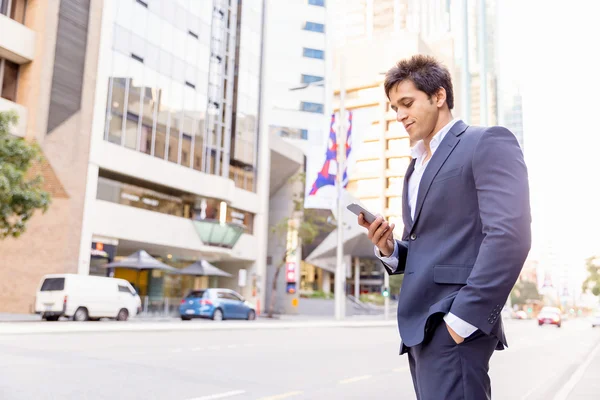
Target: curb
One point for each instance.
(101, 327)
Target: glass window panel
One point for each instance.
(124, 12)
(9, 82)
(166, 42)
(138, 46)
(131, 127)
(191, 51)
(186, 149)
(398, 165)
(154, 31)
(115, 118)
(122, 40)
(161, 132)
(152, 57)
(174, 137)
(178, 45)
(165, 63)
(138, 22)
(178, 70)
(199, 145)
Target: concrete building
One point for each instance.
(148, 113)
(294, 113)
(373, 36)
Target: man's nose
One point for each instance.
(401, 116)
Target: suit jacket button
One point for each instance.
(413, 236)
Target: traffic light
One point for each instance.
(385, 292)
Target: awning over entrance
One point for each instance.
(203, 268)
(214, 233)
(141, 260)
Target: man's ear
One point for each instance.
(440, 97)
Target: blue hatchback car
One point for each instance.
(216, 304)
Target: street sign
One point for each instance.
(295, 302)
(242, 276)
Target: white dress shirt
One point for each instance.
(418, 152)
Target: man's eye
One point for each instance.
(407, 105)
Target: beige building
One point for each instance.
(149, 125)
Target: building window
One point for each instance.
(311, 78)
(320, 3)
(314, 27)
(14, 9)
(304, 134)
(9, 73)
(314, 53)
(312, 107)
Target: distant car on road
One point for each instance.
(550, 315)
(216, 304)
(596, 320)
(520, 315)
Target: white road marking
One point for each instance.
(232, 346)
(564, 392)
(213, 347)
(401, 369)
(355, 379)
(282, 396)
(220, 395)
(176, 350)
(197, 348)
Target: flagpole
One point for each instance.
(340, 271)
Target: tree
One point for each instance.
(302, 226)
(523, 291)
(20, 194)
(592, 282)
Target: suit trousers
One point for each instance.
(444, 370)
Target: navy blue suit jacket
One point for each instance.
(470, 236)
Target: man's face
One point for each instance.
(415, 110)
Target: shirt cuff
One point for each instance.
(461, 327)
(391, 261)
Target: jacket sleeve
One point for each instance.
(502, 188)
(396, 263)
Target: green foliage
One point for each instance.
(20, 195)
(592, 282)
(523, 291)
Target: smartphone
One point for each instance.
(357, 209)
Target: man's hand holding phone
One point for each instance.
(381, 234)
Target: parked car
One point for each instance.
(550, 315)
(84, 297)
(216, 304)
(596, 320)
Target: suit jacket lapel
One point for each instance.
(405, 205)
(439, 158)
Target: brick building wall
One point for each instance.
(51, 243)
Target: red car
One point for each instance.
(550, 315)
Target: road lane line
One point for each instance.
(355, 379)
(197, 348)
(176, 350)
(401, 369)
(564, 392)
(220, 395)
(282, 396)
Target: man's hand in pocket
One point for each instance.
(455, 336)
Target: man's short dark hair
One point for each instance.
(428, 75)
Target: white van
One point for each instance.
(84, 297)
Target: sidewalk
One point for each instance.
(145, 325)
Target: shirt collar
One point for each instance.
(418, 149)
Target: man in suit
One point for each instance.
(467, 233)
